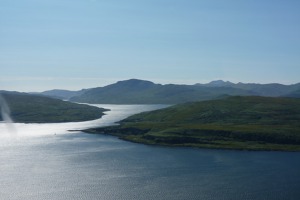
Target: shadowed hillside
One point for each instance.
(37, 109)
(145, 92)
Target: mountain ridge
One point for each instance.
(135, 91)
(61, 94)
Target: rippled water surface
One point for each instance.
(45, 161)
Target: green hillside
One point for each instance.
(37, 109)
(254, 123)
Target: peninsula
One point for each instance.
(28, 108)
(246, 123)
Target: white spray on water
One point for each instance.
(5, 113)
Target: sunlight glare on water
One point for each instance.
(116, 113)
(46, 161)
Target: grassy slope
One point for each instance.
(254, 123)
(37, 109)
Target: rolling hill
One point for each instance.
(30, 108)
(252, 123)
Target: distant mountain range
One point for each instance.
(136, 91)
(61, 94)
(271, 89)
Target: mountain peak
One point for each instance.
(132, 84)
(134, 81)
(219, 83)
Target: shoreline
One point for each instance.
(244, 146)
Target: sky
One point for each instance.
(75, 44)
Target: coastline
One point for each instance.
(237, 145)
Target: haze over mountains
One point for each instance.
(62, 94)
(136, 91)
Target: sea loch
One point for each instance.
(45, 161)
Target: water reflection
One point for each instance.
(116, 113)
(77, 166)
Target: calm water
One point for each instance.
(47, 162)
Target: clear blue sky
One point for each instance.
(74, 44)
